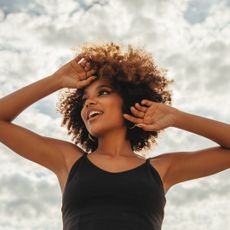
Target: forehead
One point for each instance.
(96, 85)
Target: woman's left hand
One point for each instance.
(152, 116)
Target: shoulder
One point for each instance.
(71, 153)
(162, 163)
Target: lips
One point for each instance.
(92, 109)
(94, 117)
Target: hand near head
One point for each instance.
(75, 74)
(152, 116)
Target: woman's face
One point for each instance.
(101, 96)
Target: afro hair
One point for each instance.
(135, 76)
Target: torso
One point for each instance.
(111, 165)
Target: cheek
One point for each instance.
(116, 113)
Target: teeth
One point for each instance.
(93, 113)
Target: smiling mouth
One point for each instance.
(94, 117)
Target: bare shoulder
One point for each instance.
(161, 163)
(71, 153)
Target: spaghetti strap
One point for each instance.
(85, 154)
(148, 161)
(155, 170)
(97, 199)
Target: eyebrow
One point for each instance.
(100, 86)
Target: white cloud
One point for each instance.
(189, 37)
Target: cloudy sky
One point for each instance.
(191, 38)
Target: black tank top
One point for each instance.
(95, 199)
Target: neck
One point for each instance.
(114, 145)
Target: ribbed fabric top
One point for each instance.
(95, 199)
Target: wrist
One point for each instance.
(179, 116)
(57, 79)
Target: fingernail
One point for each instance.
(82, 59)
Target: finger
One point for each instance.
(132, 119)
(147, 102)
(82, 62)
(87, 66)
(141, 108)
(136, 112)
(76, 64)
(87, 81)
(78, 58)
(89, 73)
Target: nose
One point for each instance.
(89, 102)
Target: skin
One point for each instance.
(174, 167)
(110, 125)
(59, 156)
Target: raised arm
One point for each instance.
(45, 151)
(71, 75)
(183, 166)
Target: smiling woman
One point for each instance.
(133, 76)
(94, 116)
(116, 104)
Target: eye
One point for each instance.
(103, 91)
(100, 92)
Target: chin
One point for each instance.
(102, 129)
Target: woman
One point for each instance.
(116, 105)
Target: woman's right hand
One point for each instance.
(75, 74)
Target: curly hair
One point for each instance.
(135, 76)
